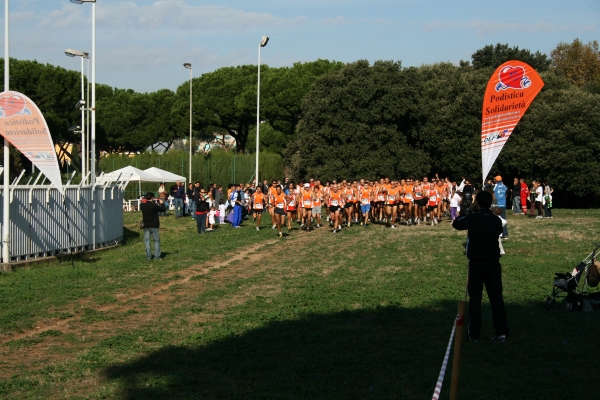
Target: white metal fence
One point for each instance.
(43, 223)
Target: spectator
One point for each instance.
(178, 193)
(189, 196)
(163, 195)
(483, 254)
(500, 194)
(524, 196)
(150, 210)
(516, 196)
(236, 199)
(202, 209)
(548, 200)
(539, 198)
(218, 196)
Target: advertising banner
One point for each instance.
(509, 92)
(24, 126)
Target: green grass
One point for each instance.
(363, 314)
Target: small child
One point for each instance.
(222, 212)
(211, 218)
(497, 212)
(454, 204)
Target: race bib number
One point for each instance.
(279, 205)
(391, 198)
(307, 203)
(334, 202)
(258, 206)
(433, 199)
(380, 197)
(365, 201)
(418, 194)
(408, 195)
(292, 203)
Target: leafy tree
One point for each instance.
(283, 89)
(494, 56)
(355, 124)
(225, 98)
(577, 61)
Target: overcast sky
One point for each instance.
(142, 44)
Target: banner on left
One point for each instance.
(24, 126)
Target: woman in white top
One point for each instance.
(454, 203)
(539, 198)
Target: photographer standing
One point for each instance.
(150, 209)
(483, 253)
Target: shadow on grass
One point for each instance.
(384, 353)
(130, 236)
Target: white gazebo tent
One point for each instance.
(130, 174)
(165, 176)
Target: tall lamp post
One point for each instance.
(92, 109)
(263, 43)
(92, 106)
(6, 183)
(82, 54)
(189, 66)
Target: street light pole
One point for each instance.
(263, 43)
(82, 54)
(189, 66)
(6, 183)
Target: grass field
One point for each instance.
(241, 314)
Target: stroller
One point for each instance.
(568, 285)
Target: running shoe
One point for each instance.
(257, 228)
(393, 227)
(274, 226)
(318, 226)
(280, 234)
(499, 338)
(539, 216)
(334, 231)
(408, 223)
(435, 221)
(348, 224)
(301, 225)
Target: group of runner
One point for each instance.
(354, 202)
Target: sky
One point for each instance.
(142, 44)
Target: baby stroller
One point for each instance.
(568, 284)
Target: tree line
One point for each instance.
(330, 119)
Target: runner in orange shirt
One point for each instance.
(349, 196)
(271, 193)
(279, 202)
(291, 201)
(317, 203)
(408, 200)
(366, 197)
(432, 203)
(259, 203)
(306, 195)
(391, 202)
(420, 205)
(380, 195)
(335, 201)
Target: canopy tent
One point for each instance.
(128, 173)
(165, 176)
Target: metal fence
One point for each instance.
(44, 223)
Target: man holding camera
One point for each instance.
(483, 253)
(150, 208)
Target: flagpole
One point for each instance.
(6, 185)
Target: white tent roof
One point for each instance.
(165, 176)
(128, 174)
